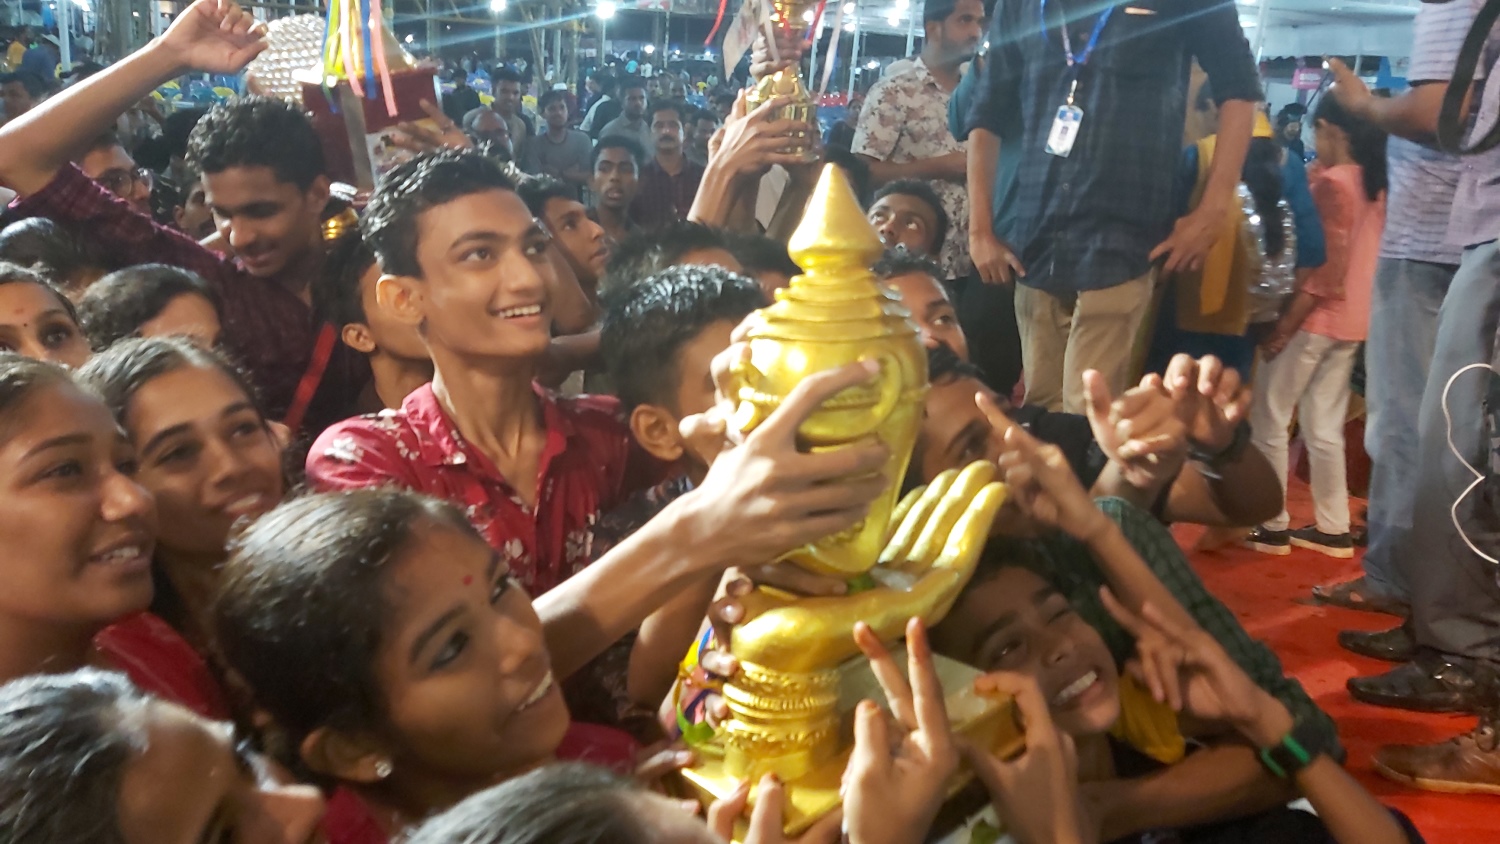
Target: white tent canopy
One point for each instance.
(1292, 27)
(1330, 27)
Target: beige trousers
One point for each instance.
(1063, 338)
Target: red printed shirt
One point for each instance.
(589, 465)
(266, 326)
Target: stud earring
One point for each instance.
(382, 769)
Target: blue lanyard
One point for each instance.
(1088, 48)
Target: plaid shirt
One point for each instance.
(1072, 568)
(664, 198)
(267, 327)
(1089, 221)
(589, 465)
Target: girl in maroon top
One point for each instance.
(397, 656)
(78, 532)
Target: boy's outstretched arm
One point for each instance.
(216, 36)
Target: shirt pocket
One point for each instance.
(1139, 42)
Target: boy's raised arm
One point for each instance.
(212, 35)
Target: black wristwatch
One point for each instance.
(1296, 750)
(1210, 462)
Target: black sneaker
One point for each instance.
(1275, 542)
(1334, 545)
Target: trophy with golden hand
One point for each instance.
(791, 700)
(791, 16)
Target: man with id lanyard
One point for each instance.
(1096, 98)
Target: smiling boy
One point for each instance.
(467, 264)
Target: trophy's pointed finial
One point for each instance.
(834, 231)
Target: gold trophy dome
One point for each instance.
(835, 314)
(791, 700)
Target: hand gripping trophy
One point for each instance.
(790, 16)
(791, 700)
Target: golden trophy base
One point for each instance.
(988, 722)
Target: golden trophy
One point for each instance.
(790, 703)
(791, 16)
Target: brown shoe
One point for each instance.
(1466, 764)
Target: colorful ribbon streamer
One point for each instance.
(354, 50)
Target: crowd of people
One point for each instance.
(392, 518)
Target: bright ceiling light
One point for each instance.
(807, 16)
(410, 38)
(606, 9)
(848, 8)
(650, 48)
(497, 6)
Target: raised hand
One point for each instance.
(1041, 483)
(1351, 92)
(1140, 431)
(764, 61)
(1187, 669)
(1036, 792)
(661, 760)
(1210, 399)
(750, 143)
(898, 773)
(216, 36)
(766, 496)
(416, 137)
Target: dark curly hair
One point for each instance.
(630, 145)
(427, 181)
(566, 803)
(57, 253)
(647, 323)
(65, 742)
(647, 253)
(918, 189)
(537, 191)
(116, 306)
(257, 132)
(900, 262)
(304, 605)
(336, 296)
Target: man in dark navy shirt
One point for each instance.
(1097, 98)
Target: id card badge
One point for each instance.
(1064, 131)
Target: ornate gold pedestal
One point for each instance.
(800, 679)
(988, 722)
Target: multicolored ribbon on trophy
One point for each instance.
(354, 50)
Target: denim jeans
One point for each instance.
(1455, 598)
(1403, 331)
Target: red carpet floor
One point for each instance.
(1271, 596)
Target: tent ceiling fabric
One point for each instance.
(1293, 27)
(1332, 27)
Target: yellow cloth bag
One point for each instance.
(1216, 299)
